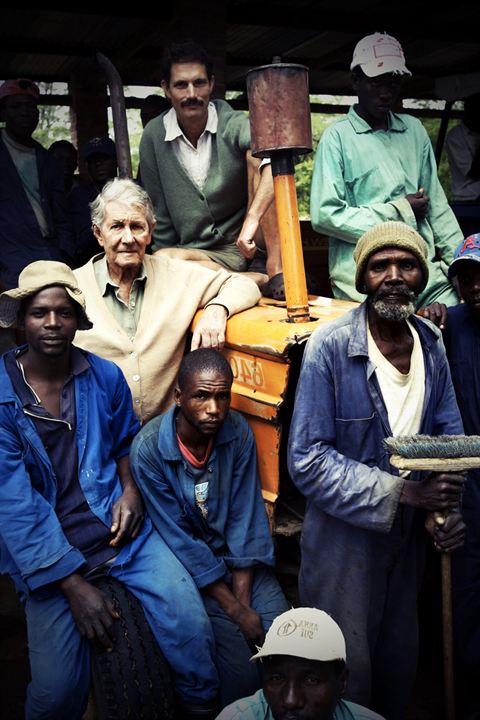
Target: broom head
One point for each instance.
(441, 453)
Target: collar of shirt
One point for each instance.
(78, 364)
(173, 130)
(360, 125)
(104, 280)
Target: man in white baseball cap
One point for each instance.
(378, 54)
(304, 673)
(375, 165)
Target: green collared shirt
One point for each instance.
(361, 178)
(127, 315)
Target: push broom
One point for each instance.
(444, 453)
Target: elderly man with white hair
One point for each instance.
(142, 306)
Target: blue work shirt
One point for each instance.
(81, 526)
(33, 546)
(235, 533)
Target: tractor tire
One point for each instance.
(134, 681)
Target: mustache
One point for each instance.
(191, 102)
(400, 291)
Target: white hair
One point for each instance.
(124, 191)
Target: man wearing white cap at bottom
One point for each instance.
(304, 673)
(377, 164)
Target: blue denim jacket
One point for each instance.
(235, 533)
(33, 548)
(337, 458)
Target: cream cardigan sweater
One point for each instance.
(174, 291)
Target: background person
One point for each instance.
(34, 221)
(462, 343)
(66, 157)
(376, 165)
(152, 106)
(463, 151)
(100, 157)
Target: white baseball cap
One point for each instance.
(305, 633)
(379, 54)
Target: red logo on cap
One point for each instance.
(470, 243)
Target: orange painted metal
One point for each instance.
(291, 248)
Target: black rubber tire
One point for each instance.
(133, 681)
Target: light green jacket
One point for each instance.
(361, 177)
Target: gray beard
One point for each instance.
(397, 313)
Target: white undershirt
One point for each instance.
(194, 160)
(403, 394)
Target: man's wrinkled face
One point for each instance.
(392, 281)
(189, 91)
(124, 236)
(300, 689)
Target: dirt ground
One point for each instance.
(427, 703)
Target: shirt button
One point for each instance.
(133, 303)
(137, 401)
(210, 469)
(133, 354)
(136, 378)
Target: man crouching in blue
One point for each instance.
(70, 509)
(196, 468)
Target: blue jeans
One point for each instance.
(238, 676)
(60, 656)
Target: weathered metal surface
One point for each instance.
(264, 330)
(279, 109)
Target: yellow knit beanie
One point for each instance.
(389, 234)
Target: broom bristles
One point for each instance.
(429, 446)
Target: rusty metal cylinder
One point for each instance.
(279, 107)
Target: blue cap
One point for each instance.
(469, 249)
(99, 146)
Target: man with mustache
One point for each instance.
(377, 371)
(193, 164)
(377, 164)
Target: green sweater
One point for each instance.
(187, 216)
